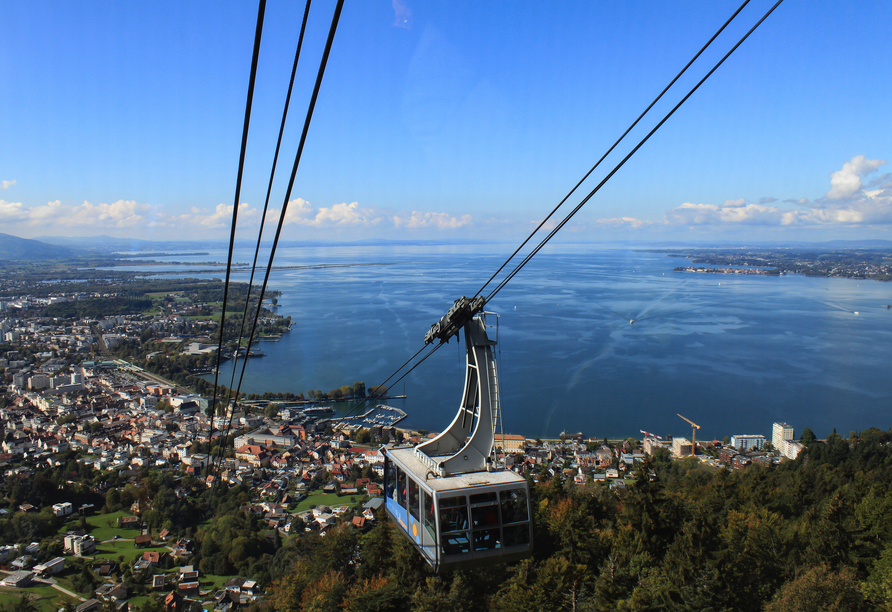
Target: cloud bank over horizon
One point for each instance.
(206, 222)
(854, 200)
(849, 203)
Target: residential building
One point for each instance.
(781, 432)
(89, 606)
(792, 449)
(39, 381)
(50, 567)
(682, 447)
(268, 437)
(251, 453)
(80, 545)
(510, 442)
(651, 444)
(747, 442)
(783, 437)
(19, 579)
(63, 509)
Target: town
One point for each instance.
(700, 269)
(875, 264)
(108, 466)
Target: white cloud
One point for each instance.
(547, 226)
(847, 204)
(12, 211)
(205, 221)
(624, 222)
(6, 184)
(123, 213)
(120, 214)
(301, 212)
(846, 183)
(731, 212)
(418, 220)
(221, 217)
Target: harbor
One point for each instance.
(377, 416)
(306, 412)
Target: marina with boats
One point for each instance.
(305, 412)
(377, 416)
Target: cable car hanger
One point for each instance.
(448, 495)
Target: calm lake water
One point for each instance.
(733, 354)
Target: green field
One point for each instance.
(161, 294)
(326, 499)
(45, 597)
(104, 529)
(64, 580)
(111, 550)
(104, 526)
(136, 602)
(212, 582)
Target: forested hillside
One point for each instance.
(810, 534)
(13, 248)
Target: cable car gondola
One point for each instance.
(447, 495)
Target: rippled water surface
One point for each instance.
(732, 353)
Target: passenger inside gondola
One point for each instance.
(413, 498)
(453, 514)
(390, 479)
(401, 487)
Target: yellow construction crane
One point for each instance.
(694, 429)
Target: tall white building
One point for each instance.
(781, 432)
(783, 438)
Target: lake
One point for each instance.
(731, 353)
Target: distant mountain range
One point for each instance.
(108, 244)
(13, 248)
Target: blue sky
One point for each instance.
(447, 120)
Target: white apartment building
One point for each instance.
(748, 442)
(783, 437)
(80, 545)
(781, 432)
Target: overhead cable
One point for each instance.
(269, 188)
(297, 157)
(258, 31)
(612, 147)
(615, 169)
(367, 399)
(628, 156)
